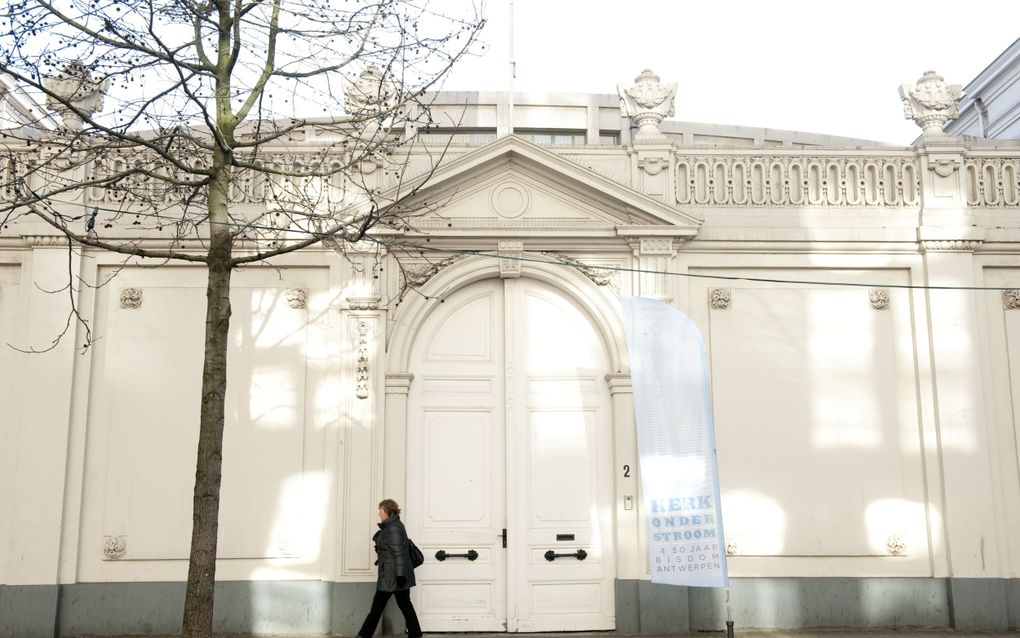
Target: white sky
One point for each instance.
(816, 66)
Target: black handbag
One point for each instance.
(417, 558)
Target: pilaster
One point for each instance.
(39, 444)
(630, 559)
(654, 168)
(948, 240)
(654, 257)
(363, 329)
(398, 387)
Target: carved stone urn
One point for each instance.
(931, 102)
(648, 101)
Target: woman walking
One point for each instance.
(396, 573)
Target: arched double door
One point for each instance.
(509, 444)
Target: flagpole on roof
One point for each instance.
(513, 73)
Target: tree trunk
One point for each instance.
(198, 601)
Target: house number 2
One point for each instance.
(626, 471)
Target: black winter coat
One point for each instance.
(394, 556)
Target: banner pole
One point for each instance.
(729, 615)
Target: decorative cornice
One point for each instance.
(658, 246)
(363, 303)
(47, 241)
(950, 245)
(399, 382)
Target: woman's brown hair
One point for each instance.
(389, 506)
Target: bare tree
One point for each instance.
(173, 114)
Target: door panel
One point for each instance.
(509, 428)
(456, 463)
(561, 440)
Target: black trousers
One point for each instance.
(406, 608)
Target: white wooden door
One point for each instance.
(509, 429)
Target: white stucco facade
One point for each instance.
(859, 302)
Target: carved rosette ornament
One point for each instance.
(648, 101)
(130, 298)
(362, 375)
(719, 298)
(931, 102)
(878, 298)
(114, 547)
(297, 298)
(896, 545)
(1011, 299)
(75, 85)
(732, 547)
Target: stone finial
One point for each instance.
(931, 102)
(370, 98)
(75, 85)
(648, 101)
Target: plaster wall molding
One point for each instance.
(47, 241)
(950, 245)
(363, 303)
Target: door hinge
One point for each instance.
(503, 536)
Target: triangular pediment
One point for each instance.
(513, 187)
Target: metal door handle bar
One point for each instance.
(579, 555)
(442, 555)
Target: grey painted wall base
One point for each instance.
(323, 608)
(113, 609)
(795, 603)
(28, 611)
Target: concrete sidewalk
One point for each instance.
(737, 633)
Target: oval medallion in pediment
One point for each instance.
(510, 200)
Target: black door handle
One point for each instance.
(442, 555)
(579, 555)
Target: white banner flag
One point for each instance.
(676, 445)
